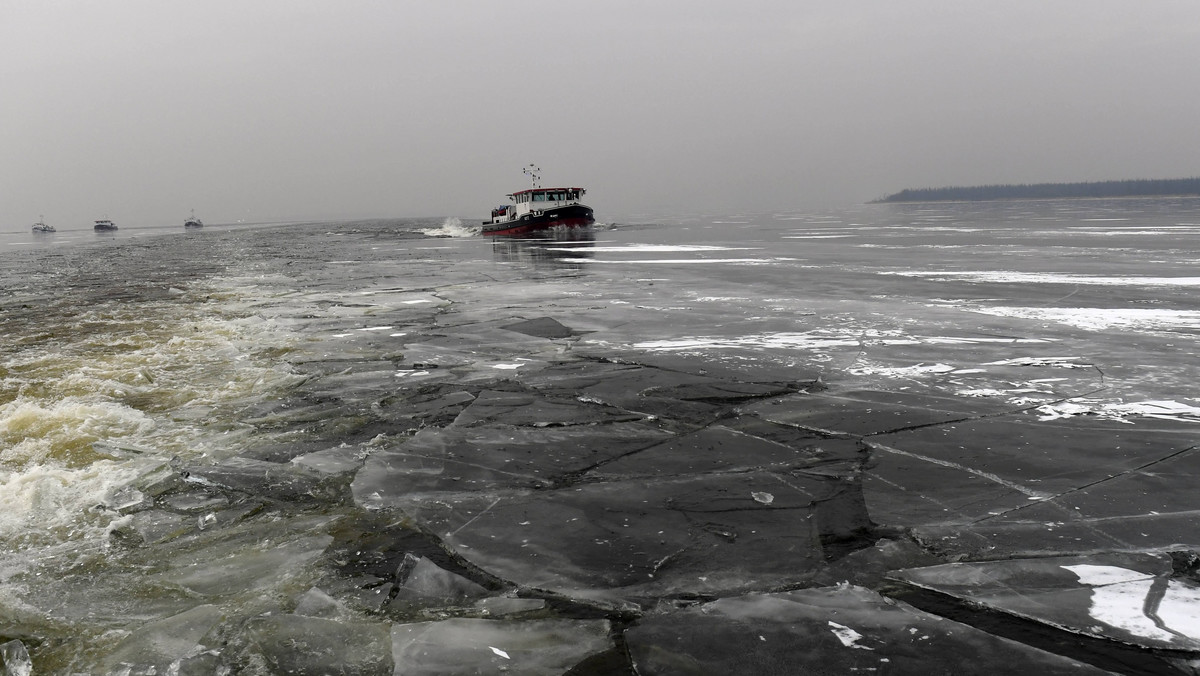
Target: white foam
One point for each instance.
(452, 227)
(63, 431)
(51, 502)
(99, 408)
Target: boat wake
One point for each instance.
(452, 227)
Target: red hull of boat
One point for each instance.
(534, 225)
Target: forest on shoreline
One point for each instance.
(1130, 188)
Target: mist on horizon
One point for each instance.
(143, 111)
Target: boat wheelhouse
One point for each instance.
(539, 208)
(105, 224)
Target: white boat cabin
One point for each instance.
(536, 201)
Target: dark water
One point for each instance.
(129, 362)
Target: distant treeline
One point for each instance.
(1133, 188)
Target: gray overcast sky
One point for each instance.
(142, 110)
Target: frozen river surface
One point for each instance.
(899, 439)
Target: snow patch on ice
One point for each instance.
(1101, 319)
(905, 371)
(1015, 277)
(1121, 599)
(847, 636)
(1162, 410)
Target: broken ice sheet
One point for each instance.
(295, 644)
(156, 645)
(469, 646)
(242, 570)
(611, 541)
(832, 630)
(498, 606)
(1132, 598)
(422, 582)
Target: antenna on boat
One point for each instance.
(534, 174)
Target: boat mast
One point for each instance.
(535, 175)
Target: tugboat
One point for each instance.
(192, 221)
(41, 226)
(105, 224)
(539, 208)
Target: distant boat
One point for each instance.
(105, 224)
(41, 226)
(539, 209)
(192, 221)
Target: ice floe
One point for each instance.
(1015, 277)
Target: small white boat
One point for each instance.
(105, 224)
(192, 221)
(41, 226)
